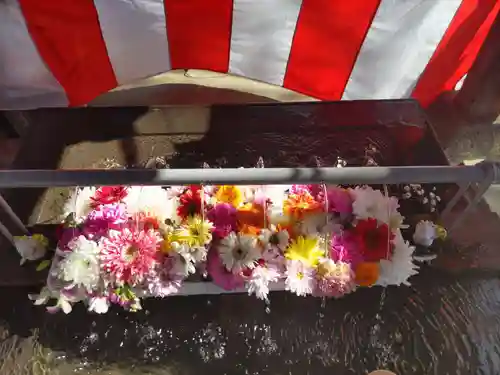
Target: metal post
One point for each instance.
(240, 176)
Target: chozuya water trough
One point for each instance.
(344, 223)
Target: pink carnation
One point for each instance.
(223, 216)
(220, 275)
(104, 218)
(344, 248)
(127, 256)
(339, 200)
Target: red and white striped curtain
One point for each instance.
(67, 52)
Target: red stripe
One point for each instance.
(327, 40)
(457, 50)
(68, 37)
(199, 33)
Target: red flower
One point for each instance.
(108, 195)
(373, 239)
(190, 202)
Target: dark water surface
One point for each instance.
(440, 325)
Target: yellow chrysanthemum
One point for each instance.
(195, 232)
(305, 249)
(441, 232)
(229, 194)
(169, 237)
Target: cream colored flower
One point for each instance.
(153, 201)
(425, 233)
(31, 247)
(238, 252)
(79, 203)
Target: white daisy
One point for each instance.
(79, 203)
(238, 252)
(80, 267)
(299, 278)
(260, 279)
(272, 238)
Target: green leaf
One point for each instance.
(43, 264)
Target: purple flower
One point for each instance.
(66, 235)
(223, 215)
(103, 218)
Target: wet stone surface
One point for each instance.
(438, 326)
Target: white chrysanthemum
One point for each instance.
(152, 200)
(371, 203)
(258, 283)
(31, 247)
(195, 254)
(400, 267)
(80, 267)
(99, 305)
(238, 252)
(182, 266)
(425, 233)
(299, 278)
(79, 203)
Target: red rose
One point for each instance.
(373, 239)
(108, 195)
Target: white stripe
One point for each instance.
(261, 38)
(398, 46)
(136, 37)
(25, 81)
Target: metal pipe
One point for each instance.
(240, 176)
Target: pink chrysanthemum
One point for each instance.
(127, 256)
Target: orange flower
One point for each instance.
(147, 220)
(251, 215)
(367, 273)
(299, 205)
(229, 194)
(249, 229)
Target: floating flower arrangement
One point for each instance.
(120, 244)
